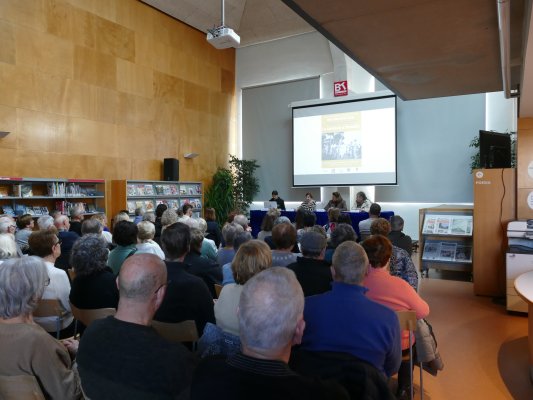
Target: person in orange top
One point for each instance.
(392, 292)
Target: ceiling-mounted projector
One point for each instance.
(223, 37)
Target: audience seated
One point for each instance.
(341, 234)
(125, 237)
(9, 226)
(139, 213)
(94, 285)
(268, 223)
(308, 220)
(187, 210)
(159, 210)
(93, 226)
(284, 239)
(397, 237)
(364, 225)
(45, 244)
(345, 320)
(401, 264)
(123, 357)
(282, 219)
(242, 221)
(209, 248)
(122, 216)
(252, 257)
(168, 218)
(336, 202)
(45, 222)
(8, 247)
(227, 272)
(333, 217)
(149, 216)
(25, 347)
(312, 271)
(187, 296)
(105, 230)
(66, 239)
(25, 226)
(209, 271)
(145, 242)
(76, 218)
(213, 230)
(226, 253)
(270, 322)
(392, 292)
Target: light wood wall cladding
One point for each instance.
(107, 89)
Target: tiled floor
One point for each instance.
(484, 349)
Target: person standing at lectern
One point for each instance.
(278, 200)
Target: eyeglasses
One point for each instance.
(47, 282)
(59, 241)
(164, 284)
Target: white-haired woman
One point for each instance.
(8, 247)
(27, 348)
(145, 237)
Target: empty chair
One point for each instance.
(20, 387)
(184, 331)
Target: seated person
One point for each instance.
(159, 210)
(336, 202)
(362, 202)
(45, 222)
(270, 322)
(284, 239)
(361, 327)
(364, 225)
(278, 200)
(392, 292)
(66, 238)
(341, 234)
(213, 230)
(95, 284)
(401, 264)
(397, 237)
(227, 271)
(145, 240)
(125, 237)
(209, 271)
(139, 213)
(8, 247)
(252, 257)
(187, 296)
(333, 217)
(313, 273)
(25, 226)
(268, 223)
(226, 254)
(187, 210)
(122, 356)
(105, 230)
(25, 347)
(76, 218)
(45, 244)
(209, 248)
(308, 204)
(308, 221)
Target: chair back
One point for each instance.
(86, 317)
(184, 331)
(364, 234)
(408, 323)
(407, 320)
(71, 274)
(20, 387)
(218, 289)
(49, 308)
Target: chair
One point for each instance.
(184, 331)
(86, 317)
(408, 322)
(20, 387)
(71, 274)
(218, 289)
(51, 308)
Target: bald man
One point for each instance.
(67, 239)
(123, 356)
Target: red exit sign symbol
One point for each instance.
(340, 88)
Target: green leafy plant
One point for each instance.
(475, 161)
(219, 195)
(245, 184)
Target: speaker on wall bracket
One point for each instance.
(171, 169)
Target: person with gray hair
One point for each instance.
(8, 225)
(91, 226)
(149, 216)
(397, 237)
(122, 356)
(361, 327)
(8, 247)
(67, 239)
(242, 221)
(94, 285)
(121, 216)
(45, 222)
(341, 234)
(24, 345)
(312, 271)
(145, 238)
(168, 218)
(270, 322)
(227, 269)
(76, 218)
(209, 248)
(226, 253)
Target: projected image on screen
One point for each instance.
(349, 143)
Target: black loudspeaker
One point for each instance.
(171, 169)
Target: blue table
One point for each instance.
(256, 217)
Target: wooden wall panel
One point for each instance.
(107, 89)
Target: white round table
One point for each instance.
(524, 287)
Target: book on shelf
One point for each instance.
(159, 190)
(8, 210)
(4, 190)
(17, 190)
(149, 190)
(20, 209)
(173, 189)
(447, 251)
(149, 205)
(183, 190)
(431, 250)
(140, 190)
(132, 190)
(459, 225)
(26, 190)
(463, 253)
(131, 207)
(166, 190)
(55, 189)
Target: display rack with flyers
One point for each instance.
(39, 196)
(147, 195)
(445, 238)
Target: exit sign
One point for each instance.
(340, 88)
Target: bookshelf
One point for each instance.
(445, 238)
(129, 195)
(39, 196)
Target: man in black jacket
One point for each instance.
(278, 200)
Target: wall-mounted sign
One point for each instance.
(340, 88)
